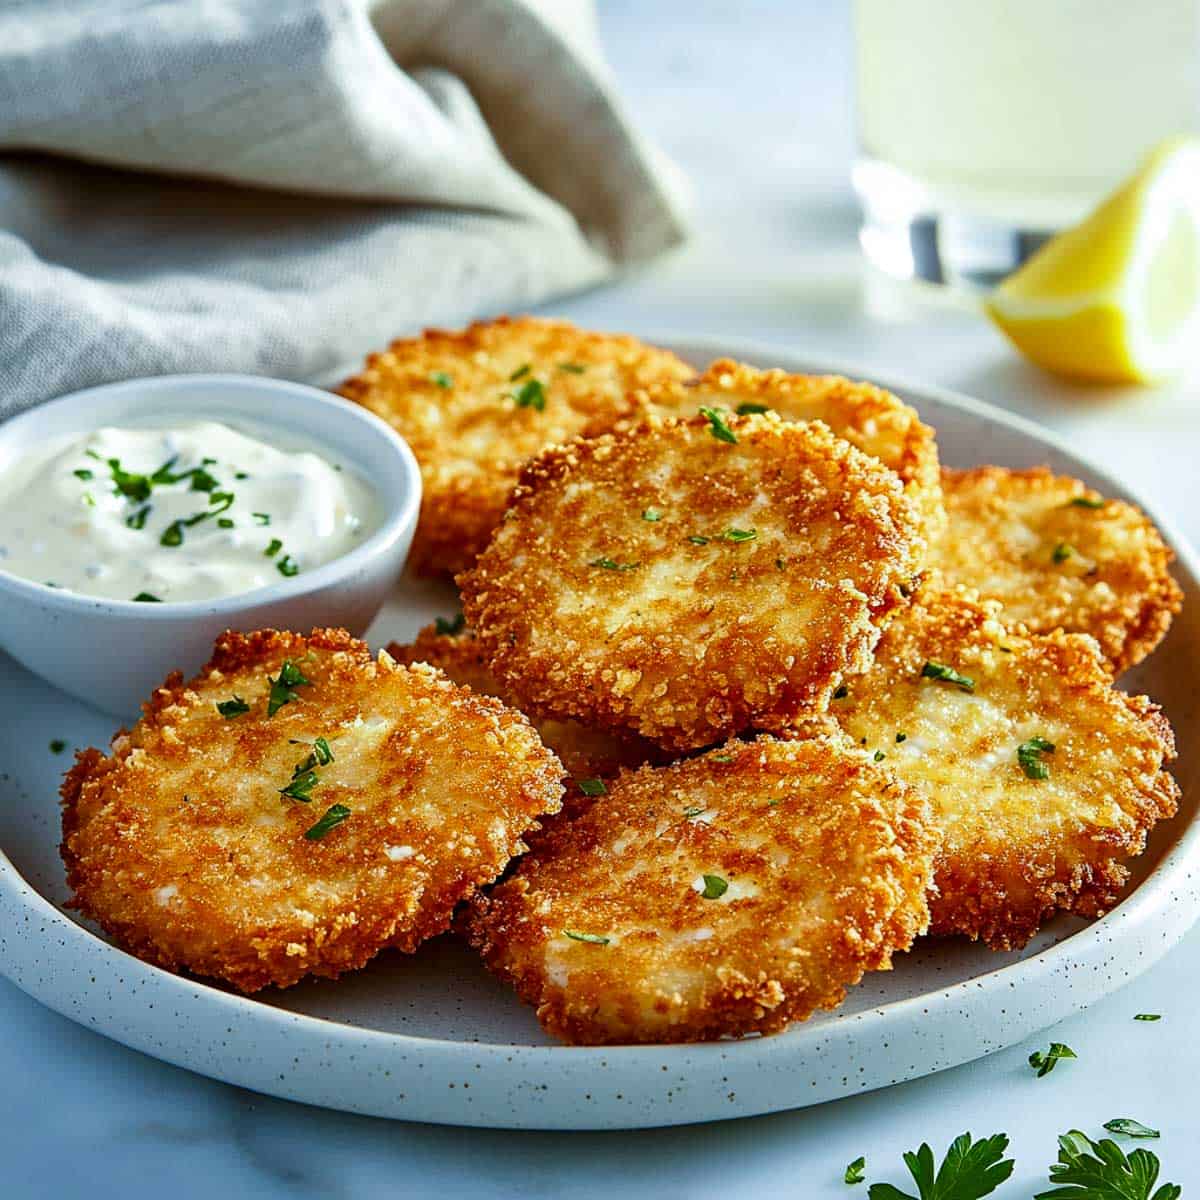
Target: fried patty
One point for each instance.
(1058, 555)
(727, 894)
(1042, 776)
(691, 579)
(588, 755)
(475, 405)
(262, 847)
(874, 420)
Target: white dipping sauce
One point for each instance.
(190, 511)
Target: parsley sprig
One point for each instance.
(937, 670)
(1088, 1170)
(1045, 1061)
(854, 1170)
(290, 676)
(333, 816)
(970, 1170)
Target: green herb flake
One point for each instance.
(936, 670)
(531, 394)
(442, 380)
(572, 368)
(593, 939)
(1130, 1128)
(146, 598)
(969, 1171)
(1148, 1017)
(651, 514)
(1029, 756)
(717, 426)
(738, 535)
(840, 693)
(855, 1171)
(262, 518)
(593, 787)
(89, 499)
(273, 548)
(230, 709)
(714, 887)
(1062, 552)
(1086, 502)
(322, 751)
(290, 676)
(172, 535)
(288, 566)
(137, 519)
(300, 787)
(1045, 1061)
(608, 564)
(692, 810)
(57, 746)
(748, 409)
(225, 522)
(879, 756)
(723, 758)
(202, 481)
(1088, 1170)
(519, 373)
(698, 539)
(901, 737)
(450, 626)
(84, 474)
(335, 814)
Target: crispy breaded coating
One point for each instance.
(184, 846)
(691, 579)
(727, 894)
(1042, 776)
(586, 754)
(874, 420)
(1057, 555)
(475, 405)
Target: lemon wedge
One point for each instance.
(1117, 298)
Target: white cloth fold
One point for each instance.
(279, 187)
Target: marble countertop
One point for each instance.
(754, 102)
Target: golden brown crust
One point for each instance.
(180, 845)
(472, 438)
(585, 753)
(679, 625)
(874, 420)
(825, 857)
(1015, 849)
(1020, 538)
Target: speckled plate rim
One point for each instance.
(327, 1063)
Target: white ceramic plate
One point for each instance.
(433, 1038)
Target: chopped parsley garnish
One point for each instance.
(1088, 1170)
(593, 787)
(651, 514)
(442, 380)
(1086, 502)
(717, 426)
(937, 670)
(737, 535)
(572, 368)
(241, 475)
(855, 1170)
(172, 535)
(273, 548)
(89, 499)
(202, 481)
(1130, 1128)
(692, 810)
(335, 814)
(1045, 1061)
(322, 751)
(780, 563)
(714, 887)
(1029, 755)
(901, 737)
(748, 409)
(607, 564)
(1148, 1017)
(137, 519)
(146, 598)
(519, 373)
(1062, 552)
(57, 746)
(290, 676)
(288, 566)
(969, 1171)
(262, 518)
(300, 787)
(879, 756)
(723, 758)
(578, 935)
(84, 474)
(840, 693)
(698, 539)
(449, 626)
(232, 708)
(531, 394)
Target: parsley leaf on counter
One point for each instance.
(1088, 1170)
(969, 1171)
(1045, 1061)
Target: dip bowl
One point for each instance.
(114, 653)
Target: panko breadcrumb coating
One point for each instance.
(475, 405)
(214, 841)
(586, 754)
(692, 579)
(874, 420)
(1057, 555)
(1042, 776)
(727, 894)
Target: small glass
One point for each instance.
(985, 126)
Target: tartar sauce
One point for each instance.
(181, 512)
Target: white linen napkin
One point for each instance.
(279, 187)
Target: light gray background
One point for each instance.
(754, 101)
